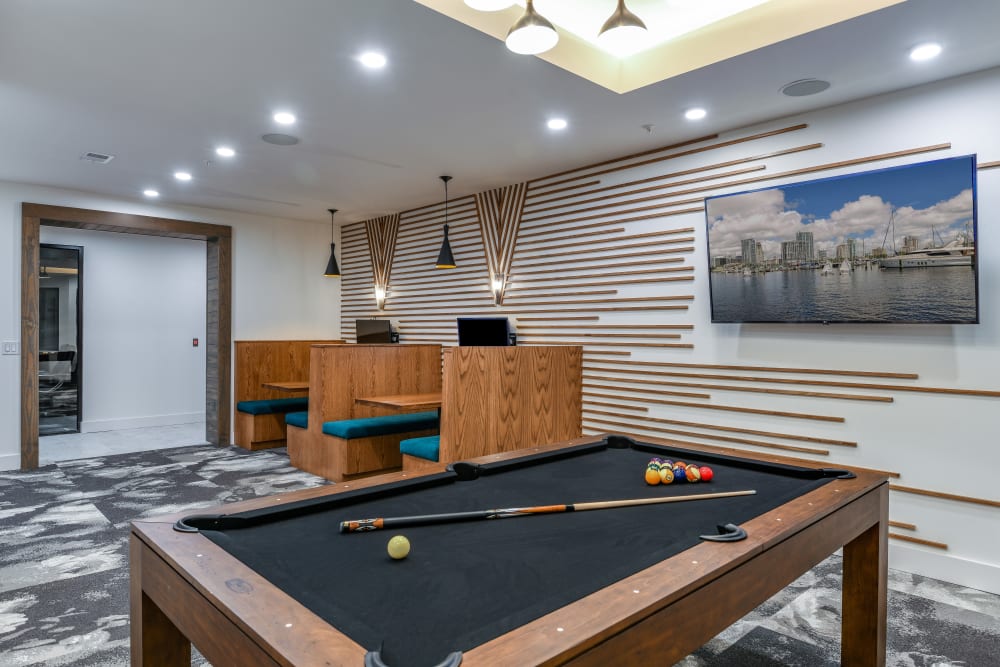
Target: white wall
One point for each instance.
(937, 442)
(143, 303)
(278, 287)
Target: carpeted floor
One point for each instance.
(64, 570)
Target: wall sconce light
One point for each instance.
(332, 270)
(497, 284)
(445, 259)
(532, 33)
(380, 294)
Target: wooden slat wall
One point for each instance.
(599, 250)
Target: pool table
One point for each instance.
(274, 582)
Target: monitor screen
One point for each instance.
(372, 331)
(893, 245)
(483, 331)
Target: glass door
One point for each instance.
(60, 338)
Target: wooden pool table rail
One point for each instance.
(184, 587)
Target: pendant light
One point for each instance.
(489, 5)
(621, 30)
(532, 33)
(445, 259)
(332, 270)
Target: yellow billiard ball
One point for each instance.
(399, 547)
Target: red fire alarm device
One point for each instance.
(194, 342)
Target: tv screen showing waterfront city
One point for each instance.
(892, 245)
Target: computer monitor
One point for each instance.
(372, 331)
(483, 331)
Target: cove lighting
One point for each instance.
(489, 5)
(284, 118)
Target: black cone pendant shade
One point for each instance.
(332, 270)
(445, 259)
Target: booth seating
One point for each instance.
(345, 439)
(259, 416)
(500, 399)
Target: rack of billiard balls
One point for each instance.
(665, 471)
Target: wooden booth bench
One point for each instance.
(500, 399)
(343, 438)
(259, 414)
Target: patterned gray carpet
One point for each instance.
(64, 570)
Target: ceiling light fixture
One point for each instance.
(926, 51)
(445, 260)
(225, 151)
(532, 33)
(284, 118)
(182, 176)
(621, 31)
(372, 59)
(332, 270)
(557, 124)
(150, 192)
(489, 5)
(696, 113)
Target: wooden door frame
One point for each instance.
(218, 306)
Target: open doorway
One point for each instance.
(218, 307)
(60, 339)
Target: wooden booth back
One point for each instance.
(339, 374)
(499, 399)
(260, 361)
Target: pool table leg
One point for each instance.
(155, 640)
(866, 571)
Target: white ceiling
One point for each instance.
(160, 83)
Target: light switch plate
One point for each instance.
(11, 347)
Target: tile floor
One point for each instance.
(70, 446)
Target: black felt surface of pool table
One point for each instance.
(466, 583)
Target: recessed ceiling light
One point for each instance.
(804, 87)
(696, 113)
(149, 192)
(225, 151)
(284, 118)
(925, 51)
(372, 59)
(489, 5)
(557, 123)
(182, 176)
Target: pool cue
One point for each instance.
(362, 525)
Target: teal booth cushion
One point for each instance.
(386, 425)
(300, 419)
(273, 405)
(425, 448)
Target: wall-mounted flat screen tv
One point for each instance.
(892, 245)
(370, 332)
(483, 331)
